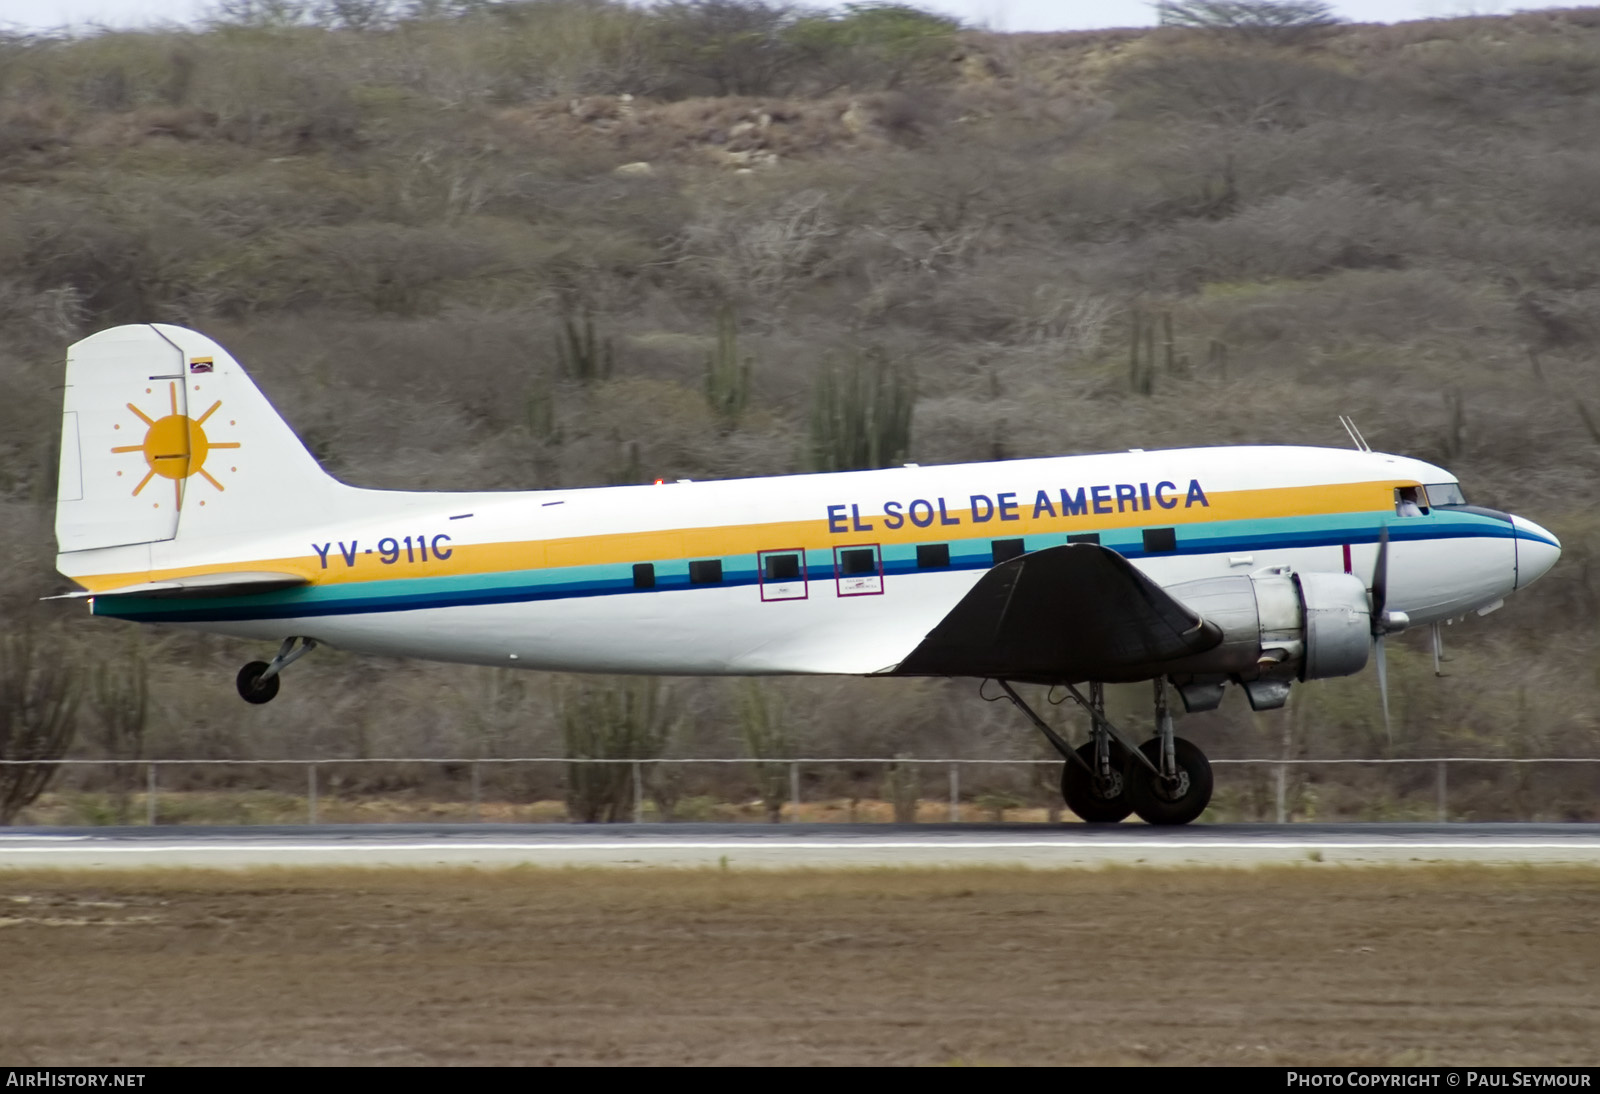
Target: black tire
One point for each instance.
(1089, 801)
(1153, 800)
(253, 689)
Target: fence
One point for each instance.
(1280, 769)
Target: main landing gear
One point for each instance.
(1166, 780)
(258, 681)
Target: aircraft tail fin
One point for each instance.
(164, 437)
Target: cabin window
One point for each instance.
(933, 556)
(1084, 537)
(644, 575)
(858, 570)
(858, 560)
(705, 571)
(1002, 549)
(782, 566)
(1443, 493)
(783, 574)
(1410, 501)
(1160, 539)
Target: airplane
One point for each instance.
(185, 499)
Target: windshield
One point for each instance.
(1445, 493)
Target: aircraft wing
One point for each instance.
(1074, 612)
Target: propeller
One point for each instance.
(1384, 622)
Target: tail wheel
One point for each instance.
(1085, 794)
(253, 689)
(1177, 800)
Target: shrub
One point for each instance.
(861, 414)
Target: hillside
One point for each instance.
(498, 250)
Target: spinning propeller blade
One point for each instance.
(1380, 599)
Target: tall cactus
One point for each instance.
(861, 414)
(625, 718)
(580, 354)
(727, 374)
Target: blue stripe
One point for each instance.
(533, 586)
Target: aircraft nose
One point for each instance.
(1537, 551)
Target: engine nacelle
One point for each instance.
(1277, 627)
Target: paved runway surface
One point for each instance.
(799, 845)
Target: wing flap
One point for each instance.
(204, 585)
(1074, 612)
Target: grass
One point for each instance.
(1275, 966)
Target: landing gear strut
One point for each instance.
(1093, 787)
(1174, 786)
(259, 680)
(1166, 780)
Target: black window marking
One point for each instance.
(783, 567)
(705, 571)
(1085, 537)
(933, 556)
(1160, 539)
(1002, 549)
(858, 560)
(644, 575)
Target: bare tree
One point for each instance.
(1259, 18)
(729, 47)
(38, 718)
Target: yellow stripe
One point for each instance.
(747, 539)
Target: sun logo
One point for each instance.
(175, 446)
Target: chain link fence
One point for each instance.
(904, 789)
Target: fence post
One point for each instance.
(638, 793)
(311, 793)
(955, 793)
(1282, 795)
(794, 789)
(476, 793)
(150, 795)
(1444, 805)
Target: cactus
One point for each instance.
(767, 739)
(1455, 439)
(539, 409)
(902, 788)
(610, 719)
(631, 473)
(727, 374)
(580, 354)
(861, 414)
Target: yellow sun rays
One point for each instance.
(175, 446)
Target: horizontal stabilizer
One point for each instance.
(1068, 613)
(203, 585)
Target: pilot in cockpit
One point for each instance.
(1408, 502)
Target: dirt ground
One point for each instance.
(1309, 965)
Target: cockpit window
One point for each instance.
(1409, 501)
(1445, 493)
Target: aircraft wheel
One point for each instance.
(253, 689)
(1155, 799)
(1096, 804)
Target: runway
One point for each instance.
(814, 846)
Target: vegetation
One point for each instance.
(569, 242)
(38, 719)
(611, 720)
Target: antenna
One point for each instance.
(1355, 434)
